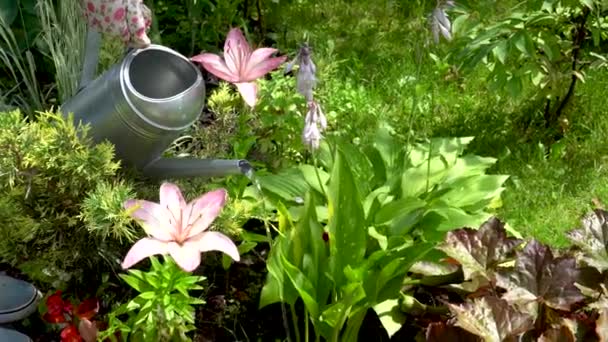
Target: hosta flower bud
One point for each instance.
(441, 24)
(306, 78)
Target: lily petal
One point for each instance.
(172, 199)
(214, 241)
(153, 218)
(236, 57)
(187, 255)
(87, 330)
(203, 210)
(236, 37)
(216, 65)
(249, 92)
(260, 64)
(142, 249)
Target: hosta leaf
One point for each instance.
(390, 316)
(440, 332)
(540, 277)
(479, 251)
(592, 238)
(491, 318)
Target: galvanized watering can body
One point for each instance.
(144, 103)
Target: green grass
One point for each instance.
(373, 62)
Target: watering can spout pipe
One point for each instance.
(192, 167)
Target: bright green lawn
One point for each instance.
(373, 62)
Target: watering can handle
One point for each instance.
(91, 57)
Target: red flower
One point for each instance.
(62, 311)
(57, 308)
(87, 308)
(70, 334)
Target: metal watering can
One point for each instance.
(141, 105)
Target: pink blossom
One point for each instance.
(241, 65)
(178, 228)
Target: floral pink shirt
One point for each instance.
(126, 19)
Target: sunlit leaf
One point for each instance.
(592, 238)
(601, 325)
(491, 318)
(480, 251)
(391, 317)
(347, 233)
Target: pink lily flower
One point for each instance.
(241, 65)
(178, 228)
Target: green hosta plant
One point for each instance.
(364, 223)
(548, 45)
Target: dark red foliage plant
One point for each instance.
(75, 321)
(491, 287)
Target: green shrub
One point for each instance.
(49, 173)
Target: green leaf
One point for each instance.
(335, 315)
(382, 240)
(8, 11)
(524, 43)
(393, 210)
(514, 86)
(287, 185)
(347, 233)
(134, 281)
(149, 295)
(472, 190)
(312, 175)
(390, 316)
(420, 179)
(302, 284)
(277, 287)
(501, 50)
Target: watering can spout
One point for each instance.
(192, 167)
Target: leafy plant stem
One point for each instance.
(428, 166)
(294, 319)
(306, 332)
(315, 164)
(578, 42)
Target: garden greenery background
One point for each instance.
(378, 65)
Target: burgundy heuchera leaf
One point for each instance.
(479, 251)
(539, 277)
(592, 238)
(440, 332)
(491, 318)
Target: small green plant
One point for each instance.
(162, 311)
(178, 229)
